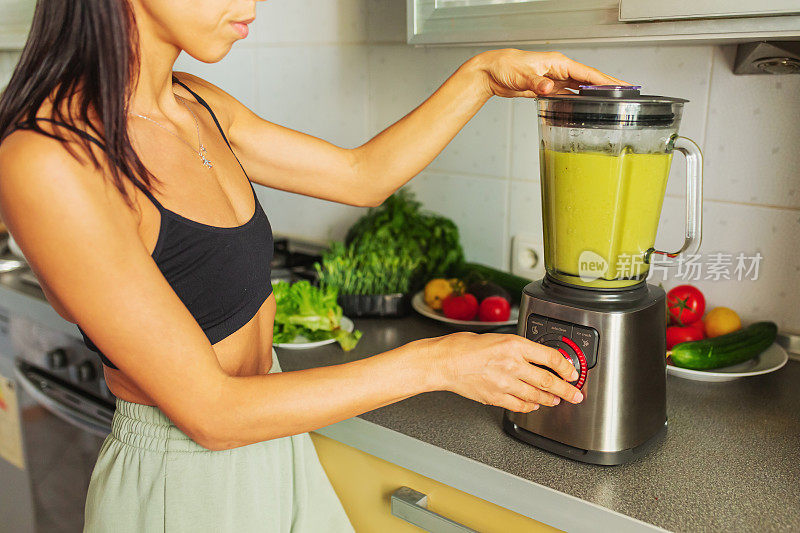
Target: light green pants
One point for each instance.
(151, 477)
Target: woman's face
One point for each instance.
(204, 29)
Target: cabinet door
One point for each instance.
(365, 483)
(644, 10)
(554, 22)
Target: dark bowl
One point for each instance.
(364, 305)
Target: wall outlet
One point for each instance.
(527, 256)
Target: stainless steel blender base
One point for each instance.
(617, 338)
(585, 456)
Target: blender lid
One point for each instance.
(610, 105)
(613, 93)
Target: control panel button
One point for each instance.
(556, 327)
(536, 327)
(548, 339)
(586, 339)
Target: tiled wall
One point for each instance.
(341, 70)
(7, 61)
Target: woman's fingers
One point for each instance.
(569, 69)
(512, 403)
(528, 393)
(547, 381)
(549, 357)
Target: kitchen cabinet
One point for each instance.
(365, 484)
(599, 21)
(15, 22)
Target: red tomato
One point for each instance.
(494, 309)
(679, 334)
(460, 307)
(686, 304)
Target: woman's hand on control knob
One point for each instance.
(510, 73)
(496, 369)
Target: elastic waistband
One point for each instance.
(147, 427)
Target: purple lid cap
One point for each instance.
(613, 91)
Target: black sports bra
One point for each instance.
(221, 274)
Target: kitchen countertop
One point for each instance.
(730, 460)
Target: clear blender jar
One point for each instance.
(605, 156)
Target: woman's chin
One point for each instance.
(210, 55)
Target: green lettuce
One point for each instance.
(303, 309)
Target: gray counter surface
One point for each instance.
(730, 461)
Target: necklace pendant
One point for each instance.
(202, 153)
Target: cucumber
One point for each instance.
(472, 272)
(725, 350)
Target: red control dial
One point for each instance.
(581, 367)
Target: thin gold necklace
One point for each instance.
(201, 150)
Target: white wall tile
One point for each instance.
(310, 21)
(481, 147)
(402, 77)
(398, 82)
(477, 205)
(733, 229)
(8, 60)
(525, 140)
(308, 218)
(386, 21)
(751, 150)
(234, 74)
(319, 90)
(525, 212)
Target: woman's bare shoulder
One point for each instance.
(32, 160)
(47, 195)
(226, 107)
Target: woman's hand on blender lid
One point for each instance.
(496, 369)
(511, 73)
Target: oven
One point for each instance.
(65, 411)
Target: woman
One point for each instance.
(128, 187)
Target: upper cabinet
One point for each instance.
(585, 21)
(15, 22)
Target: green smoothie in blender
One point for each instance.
(600, 213)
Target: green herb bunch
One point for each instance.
(399, 228)
(353, 271)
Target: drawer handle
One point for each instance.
(412, 506)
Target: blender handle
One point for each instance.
(694, 199)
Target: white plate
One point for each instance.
(770, 360)
(419, 305)
(302, 343)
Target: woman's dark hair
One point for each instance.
(84, 55)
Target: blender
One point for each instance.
(605, 156)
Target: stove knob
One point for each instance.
(57, 358)
(84, 372)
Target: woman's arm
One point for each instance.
(285, 159)
(82, 241)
